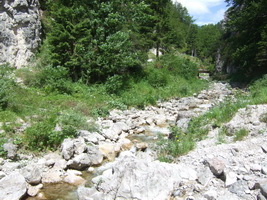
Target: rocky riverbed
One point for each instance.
(125, 167)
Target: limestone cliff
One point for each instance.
(20, 30)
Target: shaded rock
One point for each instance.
(216, 166)
(79, 162)
(12, 187)
(141, 146)
(263, 188)
(95, 155)
(32, 174)
(230, 177)
(2, 175)
(239, 188)
(204, 176)
(91, 137)
(125, 144)
(89, 194)
(11, 150)
(67, 149)
(264, 148)
(79, 146)
(211, 195)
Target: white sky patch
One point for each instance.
(205, 11)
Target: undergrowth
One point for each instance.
(54, 107)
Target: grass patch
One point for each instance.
(222, 135)
(240, 134)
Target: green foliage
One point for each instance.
(157, 77)
(182, 67)
(240, 134)
(3, 140)
(221, 135)
(208, 42)
(96, 40)
(245, 37)
(115, 84)
(179, 144)
(43, 134)
(263, 118)
(259, 90)
(6, 86)
(51, 79)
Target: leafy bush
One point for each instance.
(180, 66)
(40, 136)
(157, 77)
(51, 79)
(115, 84)
(44, 135)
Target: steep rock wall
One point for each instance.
(20, 30)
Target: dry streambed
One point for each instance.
(128, 167)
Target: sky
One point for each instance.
(205, 11)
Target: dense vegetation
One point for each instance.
(245, 37)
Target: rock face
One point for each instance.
(20, 30)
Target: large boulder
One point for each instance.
(80, 162)
(67, 149)
(95, 155)
(12, 187)
(32, 174)
(11, 150)
(132, 178)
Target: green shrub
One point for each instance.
(115, 84)
(178, 144)
(157, 77)
(3, 140)
(42, 135)
(180, 66)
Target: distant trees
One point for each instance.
(246, 36)
(208, 42)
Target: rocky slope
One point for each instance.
(20, 30)
(211, 171)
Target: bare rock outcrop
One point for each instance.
(20, 31)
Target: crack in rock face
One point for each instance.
(20, 31)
